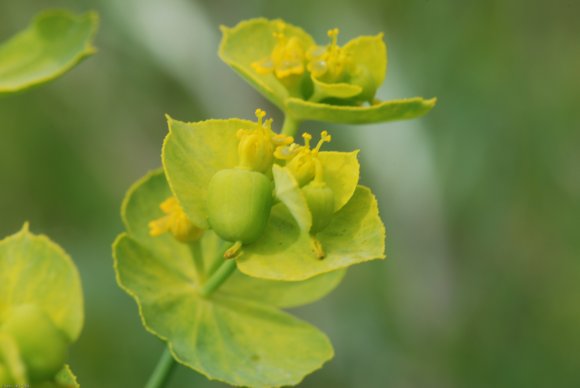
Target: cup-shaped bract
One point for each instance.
(288, 249)
(309, 81)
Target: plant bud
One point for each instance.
(238, 204)
(43, 347)
(320, 199)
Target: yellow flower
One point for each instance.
(257, 145)
(175, 222)
(287, 58)
(301, 160)
(330, 63)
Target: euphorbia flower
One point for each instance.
(320, 220)
(310, 81)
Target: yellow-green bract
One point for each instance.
(53, 43)
(41, 310)
(221, 336)
(312, 82)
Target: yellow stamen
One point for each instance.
(328, 63)
(175, 222)
(302, 161)
(287, 57)
(324, 138)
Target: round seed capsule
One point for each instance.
(239, 203)
(320, 199)
(42, 346)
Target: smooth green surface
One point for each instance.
(382, 111)
(34, 270)
(288, 192)
(221, 335)
(14, 370)
(369, 56)
(238, 204)
(324, 90)
(162, 371)
(286, 252)
(341, 174)
(41, 345)
(52, 44)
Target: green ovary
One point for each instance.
(42, 346)
(239, 203)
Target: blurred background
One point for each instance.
(481, 197)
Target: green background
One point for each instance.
(481, 198)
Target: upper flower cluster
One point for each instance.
(308, 80)
(350, 74)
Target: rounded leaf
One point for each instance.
(53, 43)
(221, 336)
(34, 270)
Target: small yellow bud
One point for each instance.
(176, 222)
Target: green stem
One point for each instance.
(162, 370)
(197, 256)
(221, 275)
(290, 126)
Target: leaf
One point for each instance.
(53, 43)
(141, 205)
(193, 153)
(251, 41)
(63, 379)
(66, 378)
(370, 53)
(289, 193)
(341, 174)
(34, 270)
(222, 337)
(383, 111)
(356, 234)
(324, 90)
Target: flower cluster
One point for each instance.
(244, 220)
(311, 81)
